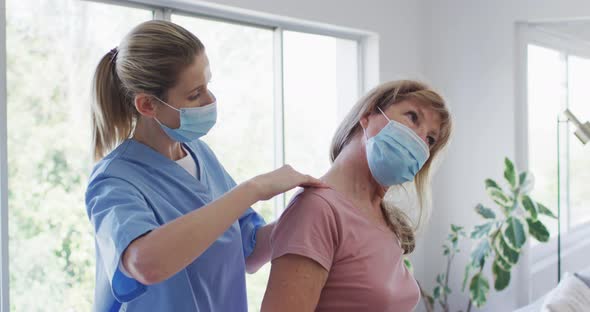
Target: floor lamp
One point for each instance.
(582, 132)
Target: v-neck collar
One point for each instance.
(198, 163)
(154, 159)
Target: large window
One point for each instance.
(558, 80)
(50, 62)
(281, 94)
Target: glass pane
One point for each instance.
(546, 97)
(321, 85)
(241, 59)
(579, 167)
(51, 58)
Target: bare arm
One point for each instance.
(165, 251)
(294, 285)
(262, 250)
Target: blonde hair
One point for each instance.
(148, 60)
(383, 96)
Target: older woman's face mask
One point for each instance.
(396, 154)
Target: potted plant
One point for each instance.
(498, 241)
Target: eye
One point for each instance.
(413, 116)
(194, 97)
(431, 141)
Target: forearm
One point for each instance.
(170, 248)
(262, 250)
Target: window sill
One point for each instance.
(545, 254)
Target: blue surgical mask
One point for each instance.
(195, 122)
(395, 154)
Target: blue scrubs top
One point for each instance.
(135, 189)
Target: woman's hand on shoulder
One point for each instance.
(282, 180)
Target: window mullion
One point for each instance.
(4, 275)
(159, 14)
(567, 146)
(279, 112)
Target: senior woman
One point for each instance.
(341, 248)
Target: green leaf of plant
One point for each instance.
(509, 172)
(480, 252)
(466, 277)
(497, 194)
(514, 231)
(478, 289)
(506, 252)
(440, 278)
(430, 300)
(545, 211)
(481, 230)
(436, 293)
(491, 184)
(526, 181)
(485, 212)
(502, 263)
(522, 177)
(409, 265)
(456, 228)
(538, 230)
(530, 206)
(500, 198)
(501, 277)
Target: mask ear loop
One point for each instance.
(379, 108)
(161, 101)
(364, 132)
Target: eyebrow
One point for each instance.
(195, 89)
(201, 86)
(434, 134)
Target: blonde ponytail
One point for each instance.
(112, 111)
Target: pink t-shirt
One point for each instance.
(364, 260)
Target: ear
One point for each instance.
(145, 105)
(364, 121)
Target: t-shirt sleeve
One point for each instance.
(119, 215)
(307, 228)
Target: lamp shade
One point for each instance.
(582, 131)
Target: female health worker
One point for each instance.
(173, 231)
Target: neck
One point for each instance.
(350, 175)
(149, 132)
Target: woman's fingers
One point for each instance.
(313, 182)
(283, 180)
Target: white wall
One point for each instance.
(470, 55)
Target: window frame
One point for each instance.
(535, 35)
(4, 273)
(541, 259)
(368, 76)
